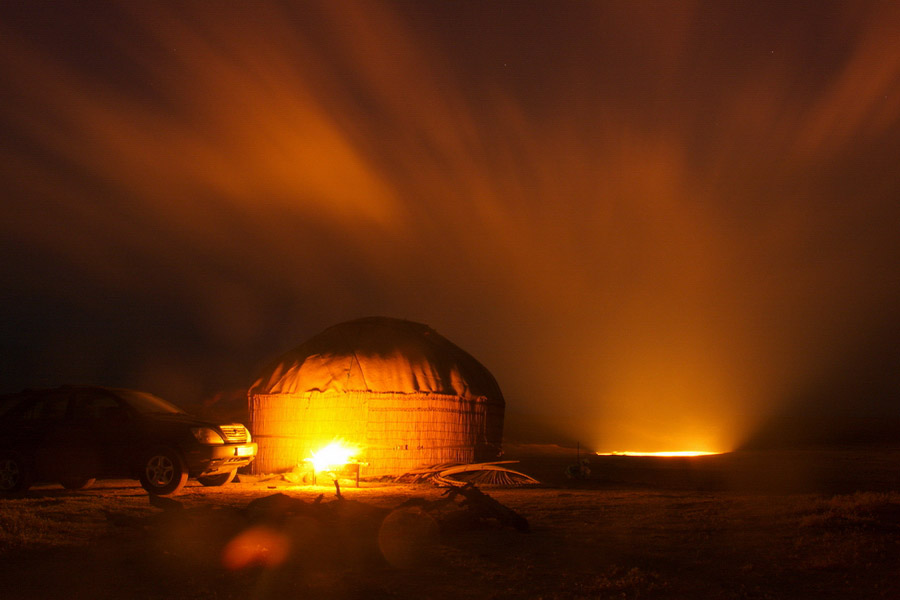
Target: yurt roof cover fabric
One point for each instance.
(379, 354)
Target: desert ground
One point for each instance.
(799, 524)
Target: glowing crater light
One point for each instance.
(678, 453)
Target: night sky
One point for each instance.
(661, 225)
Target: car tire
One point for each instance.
(15, 473)
(217, 480)
(163, 472)
(77, 483)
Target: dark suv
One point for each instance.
(76, 434)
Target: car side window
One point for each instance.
(94, 407)
(47, 408)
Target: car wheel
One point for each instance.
(77, 483)
(217, 480)
(163, 472)
(15, 476)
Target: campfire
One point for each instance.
(334, 459)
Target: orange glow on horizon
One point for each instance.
(674, 453)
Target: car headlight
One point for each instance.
(205, 435)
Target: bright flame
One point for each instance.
(332, 456)
(679, 453)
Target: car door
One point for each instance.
(40, 425)
(102, 432)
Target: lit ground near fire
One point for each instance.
(823, 524)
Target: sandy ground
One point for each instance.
(791, 525)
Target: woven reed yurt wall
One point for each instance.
(397, 432)
(445, 406)
(288, 428)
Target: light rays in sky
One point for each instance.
(651, 231)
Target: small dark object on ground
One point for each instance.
(580, 470)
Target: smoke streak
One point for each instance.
(656, 226)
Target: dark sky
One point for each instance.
(660, 224)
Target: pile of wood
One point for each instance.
(455, 474)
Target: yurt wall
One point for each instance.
(289, 427)
(405, 431)
(396, 432)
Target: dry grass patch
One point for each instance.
(61, 520)
(870, 510)
(584, 543)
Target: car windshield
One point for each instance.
(148, 403)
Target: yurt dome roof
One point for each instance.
(381, 355)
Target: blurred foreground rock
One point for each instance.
(280, 530)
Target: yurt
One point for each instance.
(397, 391)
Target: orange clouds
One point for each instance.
(638, 217)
